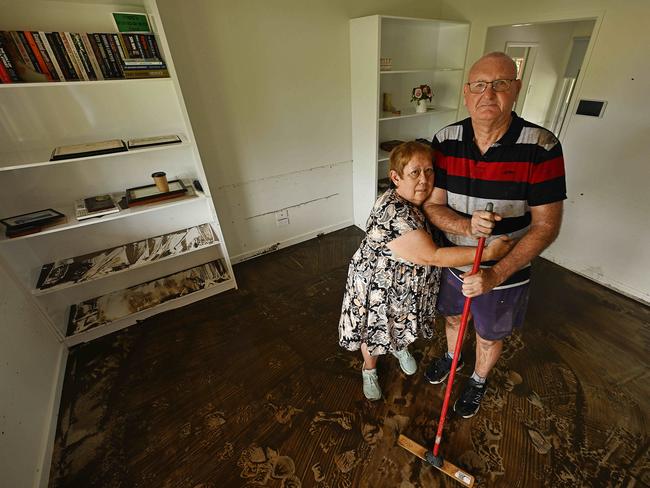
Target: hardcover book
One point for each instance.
(90, 149)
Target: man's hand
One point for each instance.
(481, 282)
(482, 223)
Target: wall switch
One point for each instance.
(282, 217)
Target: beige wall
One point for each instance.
(267, 87)
(605, 230)
(30, 358)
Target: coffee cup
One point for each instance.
(160, 179)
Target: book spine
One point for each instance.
(132, 46)
(40, 62)
(146, 73)
(62, 56)
(124, 48)
(83, 55)
(110, 56)
(90, 51)
(6, 61)
(51, 55)
(116, 54)
(153, 46)
(54, 76)
(144, 45)
(27, 61)
(74, 57)
(102, 57)
(118, 45)
(4, 74)
(145, 66)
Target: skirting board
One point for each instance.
(43, 479)
(289, 242)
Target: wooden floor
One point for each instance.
(250, 388)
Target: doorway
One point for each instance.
(523, 54)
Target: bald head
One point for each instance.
(508, 66)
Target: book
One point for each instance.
(40, 62)
(50, 54)
(5, 59)
(153, 141)
(83, 55)
(74, 56)
(146, 73)
(96, 206)
(85, 39)
(89, 149)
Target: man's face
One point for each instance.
(491, 105)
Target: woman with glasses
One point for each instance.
(394, 276)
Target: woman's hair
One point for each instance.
(402, 154)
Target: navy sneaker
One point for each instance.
(469, 400)
(439, 368)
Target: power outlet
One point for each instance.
(282, 217)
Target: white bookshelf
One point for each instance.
(423, 51)
(37, 117)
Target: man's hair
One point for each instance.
(402, 154)
(497, 55)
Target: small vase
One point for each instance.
(421, 106)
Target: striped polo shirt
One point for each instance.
(523, 169)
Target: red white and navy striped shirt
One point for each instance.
(523, 169)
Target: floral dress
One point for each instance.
(388, 300)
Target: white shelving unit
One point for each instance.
(36, 117)
(423, 51)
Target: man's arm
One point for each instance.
(544, 228)
(445, 219)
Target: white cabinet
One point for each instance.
(157, 256)
(422, 52)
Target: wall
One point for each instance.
(554, 40)
(605, 227)
(267, 87)
(31, 362)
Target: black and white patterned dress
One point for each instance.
(388, 301)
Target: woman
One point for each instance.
(394, 276)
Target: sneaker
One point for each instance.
(371, 388)
(406, 361)
(470, 399)
(439, 368)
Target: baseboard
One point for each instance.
(290, 242)
(637, 295)
(43, 480)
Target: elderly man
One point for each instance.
(492, 156)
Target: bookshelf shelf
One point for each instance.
(422, 52)
(40, 157)
(37, 117)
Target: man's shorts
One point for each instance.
(495, 314)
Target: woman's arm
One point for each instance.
(418, 247)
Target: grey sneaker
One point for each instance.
(406, 361)
(371, 388)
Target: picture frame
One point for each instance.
(32, 219)
(88, 149)
(142, 195)
(134, 22)
(153, 141)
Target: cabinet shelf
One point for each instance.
(74, 271)
(423, 70)
(410, 112)
(73, 223)
(102, 315)
(50, 84)
(40, 157)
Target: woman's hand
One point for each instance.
(498, 248)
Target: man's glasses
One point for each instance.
(415, 173)
(497, 85)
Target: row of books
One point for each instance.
(29, 56)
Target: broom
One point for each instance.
(413, 447)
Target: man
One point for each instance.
(492, 156)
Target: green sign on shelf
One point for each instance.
(130, 22)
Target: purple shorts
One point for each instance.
(495, 314)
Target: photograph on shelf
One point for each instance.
(120, 304)
(32, 222)
(142, 195)
(87, 208)
(102, 263)
(153, 141)
(89, 149)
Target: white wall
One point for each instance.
(606, 225)
(267, 87)
(30, 358)
(554, 41)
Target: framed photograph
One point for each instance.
(153, 141)
(149, 193)
(32, 219)
(90, 149)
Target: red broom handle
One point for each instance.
(459, 343)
